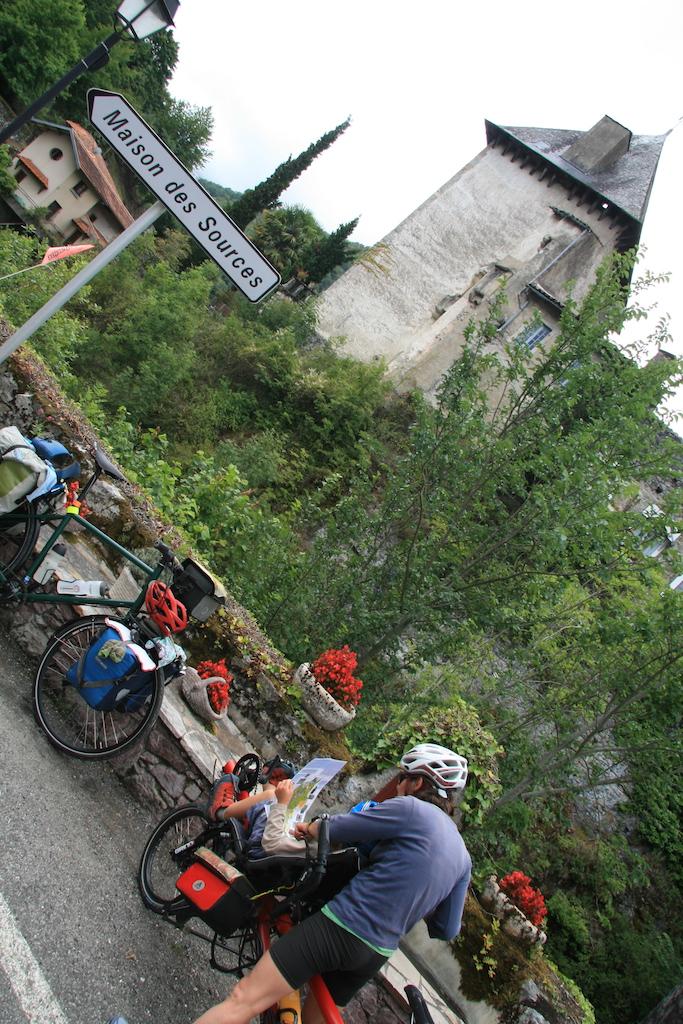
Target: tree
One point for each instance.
(7, 182)
(266, 195)
(486, 512)
(327, 254)
(284, 235)
(39, 41)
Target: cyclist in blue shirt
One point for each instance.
(418, 868)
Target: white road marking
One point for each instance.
(24, 974)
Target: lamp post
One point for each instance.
(137, 19)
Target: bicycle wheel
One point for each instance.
(18, 535)
(69, 722)
(169, 851)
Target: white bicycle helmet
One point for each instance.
(444, 767)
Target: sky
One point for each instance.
(418, 80)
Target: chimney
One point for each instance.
(600, 147)
(662, 356)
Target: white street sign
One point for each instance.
(181, 194)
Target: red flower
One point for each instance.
(219, 696)
(517, 886)
(333, 669)
(206, 669)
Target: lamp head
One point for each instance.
(142, 18)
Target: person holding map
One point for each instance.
(418, 868)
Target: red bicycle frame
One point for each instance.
(320, 991)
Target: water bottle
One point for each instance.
(50, 564)
(83, 588)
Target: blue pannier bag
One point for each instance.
(113, 674)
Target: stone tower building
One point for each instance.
(539, 207)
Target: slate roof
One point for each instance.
(626, 184)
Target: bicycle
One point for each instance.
(285, 889)
(70, 723)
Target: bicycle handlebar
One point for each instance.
(167, 556)
(313, 875)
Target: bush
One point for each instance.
(456, 726)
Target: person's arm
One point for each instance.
(445, 921)
(384, 821)
(240, 807)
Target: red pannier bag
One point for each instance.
(219, 893)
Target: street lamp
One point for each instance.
(137, 20)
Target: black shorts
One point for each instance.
(319, 946)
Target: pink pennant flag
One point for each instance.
(60, 251)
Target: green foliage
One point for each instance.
(41, 39)
(321, 258)
(570, 925)
(284, 236)
(456, 726)
(64, 334)
(607, 903)
(222, 193)
(267, 194)
(7, 182)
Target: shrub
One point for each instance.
(457, 727)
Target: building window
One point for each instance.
(56, 153)
(52, 210)
(19, 176)
(79, 188)
(532, 335)
(658, 544)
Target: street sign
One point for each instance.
(181, 194)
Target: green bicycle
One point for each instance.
(71, 712)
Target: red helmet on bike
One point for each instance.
(164, 609)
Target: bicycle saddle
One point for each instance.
(107, 466)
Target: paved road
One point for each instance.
(76, 943)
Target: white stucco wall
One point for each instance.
(492, 211)
(62, 175)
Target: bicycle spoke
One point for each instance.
(64, 711)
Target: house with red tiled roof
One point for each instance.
(62, 172)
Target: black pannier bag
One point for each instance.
(200, 592)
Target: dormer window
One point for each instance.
(656, 545)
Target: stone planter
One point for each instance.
(193, 688)
(516, 924)
(321, 705)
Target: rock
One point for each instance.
(530, 1016)
(529, 992)
(171, 782)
